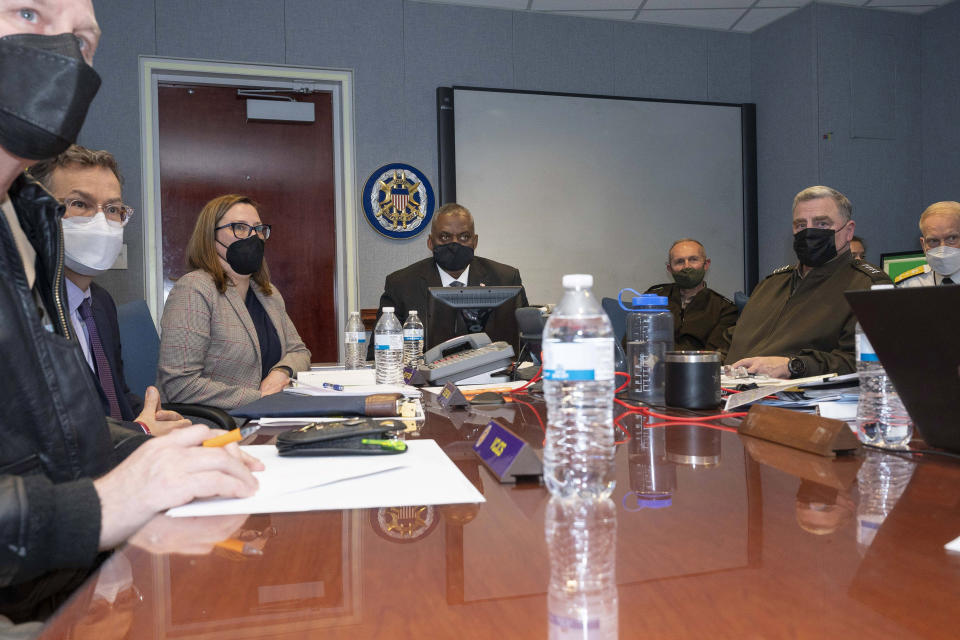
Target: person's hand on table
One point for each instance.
(158, 420)
(187, 536)
(773, 366)
(167, 472)
(275, 382)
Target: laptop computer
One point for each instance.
(916, 334)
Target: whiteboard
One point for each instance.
(581, 184)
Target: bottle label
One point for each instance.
(413, 334)
(392, 341)
(354, 337)
(589, 359)
(865, 351)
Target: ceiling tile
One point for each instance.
(519, 5)
(850, 3)
(606, 15)
(782, 3)
(699, 18)
(910, 9)
(901, 3)
(757, 18)
(585, 5)
(697, 4)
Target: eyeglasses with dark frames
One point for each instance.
(242, 230)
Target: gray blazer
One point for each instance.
(209, 351)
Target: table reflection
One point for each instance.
(581, 541)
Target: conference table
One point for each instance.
(708, 533)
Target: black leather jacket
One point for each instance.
(54, 437)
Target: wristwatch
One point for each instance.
(796, 367)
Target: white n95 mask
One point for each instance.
(91, 245)
(944, 260)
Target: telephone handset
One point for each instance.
(464, 357)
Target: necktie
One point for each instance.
(100, 359)
(948, 280)
(456, 283)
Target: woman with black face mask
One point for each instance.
(226, 337)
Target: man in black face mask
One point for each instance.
(452, 241)
(797, 322)
(701, 316)
(72, 482)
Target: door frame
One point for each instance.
(339, 82)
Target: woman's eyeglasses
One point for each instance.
(242, 230)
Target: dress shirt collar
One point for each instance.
(75, 296)
(446, 278)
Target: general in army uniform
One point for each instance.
(701, 316)
(940, 239)
(797, 322)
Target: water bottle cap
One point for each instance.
(649, 300)
(413, 312)
(388, 309)
(577, 281)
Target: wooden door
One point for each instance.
(208, 148)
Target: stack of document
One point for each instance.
(803, 394)
(323, 381)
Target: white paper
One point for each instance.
(346, 377)
(768, 389)
(838, 410)
(421, 476)
(307, 389)
(953, 545)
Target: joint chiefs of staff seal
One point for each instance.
(805, 317)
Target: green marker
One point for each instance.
(396, 445)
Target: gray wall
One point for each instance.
(940, 93)
(853, 72)
(838, 103)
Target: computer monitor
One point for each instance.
(893, 264)
(475, 303)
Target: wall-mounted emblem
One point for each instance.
(398, 200)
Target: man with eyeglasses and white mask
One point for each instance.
(940, 239)
(89, 185)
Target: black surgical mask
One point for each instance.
(689, 277)
(245, 256)
(452, 256)
(815, 247)
(45, 91)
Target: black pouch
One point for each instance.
(339, 438)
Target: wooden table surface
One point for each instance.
(755, 541)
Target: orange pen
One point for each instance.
(236, 435)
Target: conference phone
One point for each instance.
(464, 357)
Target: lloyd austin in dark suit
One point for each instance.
(88, 183)
(452, 242)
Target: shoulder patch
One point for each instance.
(787, 268)
(916, 271)
(865, 267)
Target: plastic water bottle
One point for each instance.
(881, 418)
(388, 348)
(412, 341)
(649, 337)
(578, 386)
(582, 596)
(882, 479)
(354, 343)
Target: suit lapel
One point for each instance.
(478, 274)
(240, 308)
